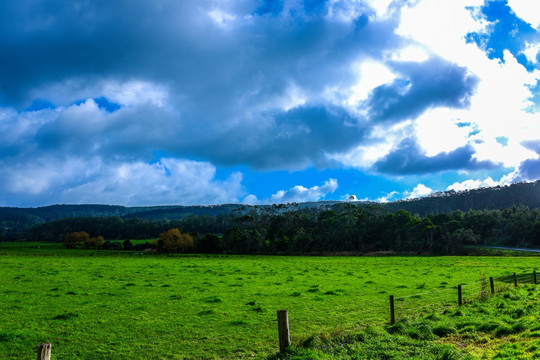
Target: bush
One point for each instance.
(80, 239)
(109, 245)
(208, 244)
(144, 246)
(127, 245)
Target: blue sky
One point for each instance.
(209, 101)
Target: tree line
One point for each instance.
(15, 222)
(345, 227)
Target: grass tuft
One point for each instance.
(66, 316)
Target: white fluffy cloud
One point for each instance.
(501, 97)
(77, 180)
(370, 75)
(477, 184)
(419, 191)
(498, 107)
(296, 194)
(393, 195)
(135, 92)
(168, 181)
(531, 51)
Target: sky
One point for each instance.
(200, 102)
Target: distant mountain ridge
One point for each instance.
(15, 219)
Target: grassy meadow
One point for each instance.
(132, 305)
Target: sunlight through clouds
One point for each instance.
(370, 75)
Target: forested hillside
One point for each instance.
(50, 222)
(500, 197)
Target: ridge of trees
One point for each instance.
(139, 222)
(346, 227)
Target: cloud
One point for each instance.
(266, 85)
(408, 158)
(419, 191)
(534, 145)
(527, 11)
(290, 139)
(505, 81)
(391, 196)
(250, 200)
(529, 170)
(442, 130)
(473, 184)
(303, 194)
(91, 180)
(532, 52)
(296, 194)
(505, 32)
(230, 83)
(424, 85)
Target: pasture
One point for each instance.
(129, 305)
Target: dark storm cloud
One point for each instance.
(408, 158)
(421, 86)
(297, 137)
(176, 43)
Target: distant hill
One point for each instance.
(499, 197)
(17, 220)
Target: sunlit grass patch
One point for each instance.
(152, 306)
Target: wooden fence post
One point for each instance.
(44, 351)
(515, 280)
(534, 276)
(392, 311)
(491, 285)
(460, 298)
(283, 329)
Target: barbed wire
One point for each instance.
(427, 293)
(448, 296)
(426, 306)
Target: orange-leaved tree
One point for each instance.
(76, 239)
(79, 239)
(175, 241)
(95, 242)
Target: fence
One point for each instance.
(398, 307)
(419, 303)
(402, 306)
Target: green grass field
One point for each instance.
(129, 305)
